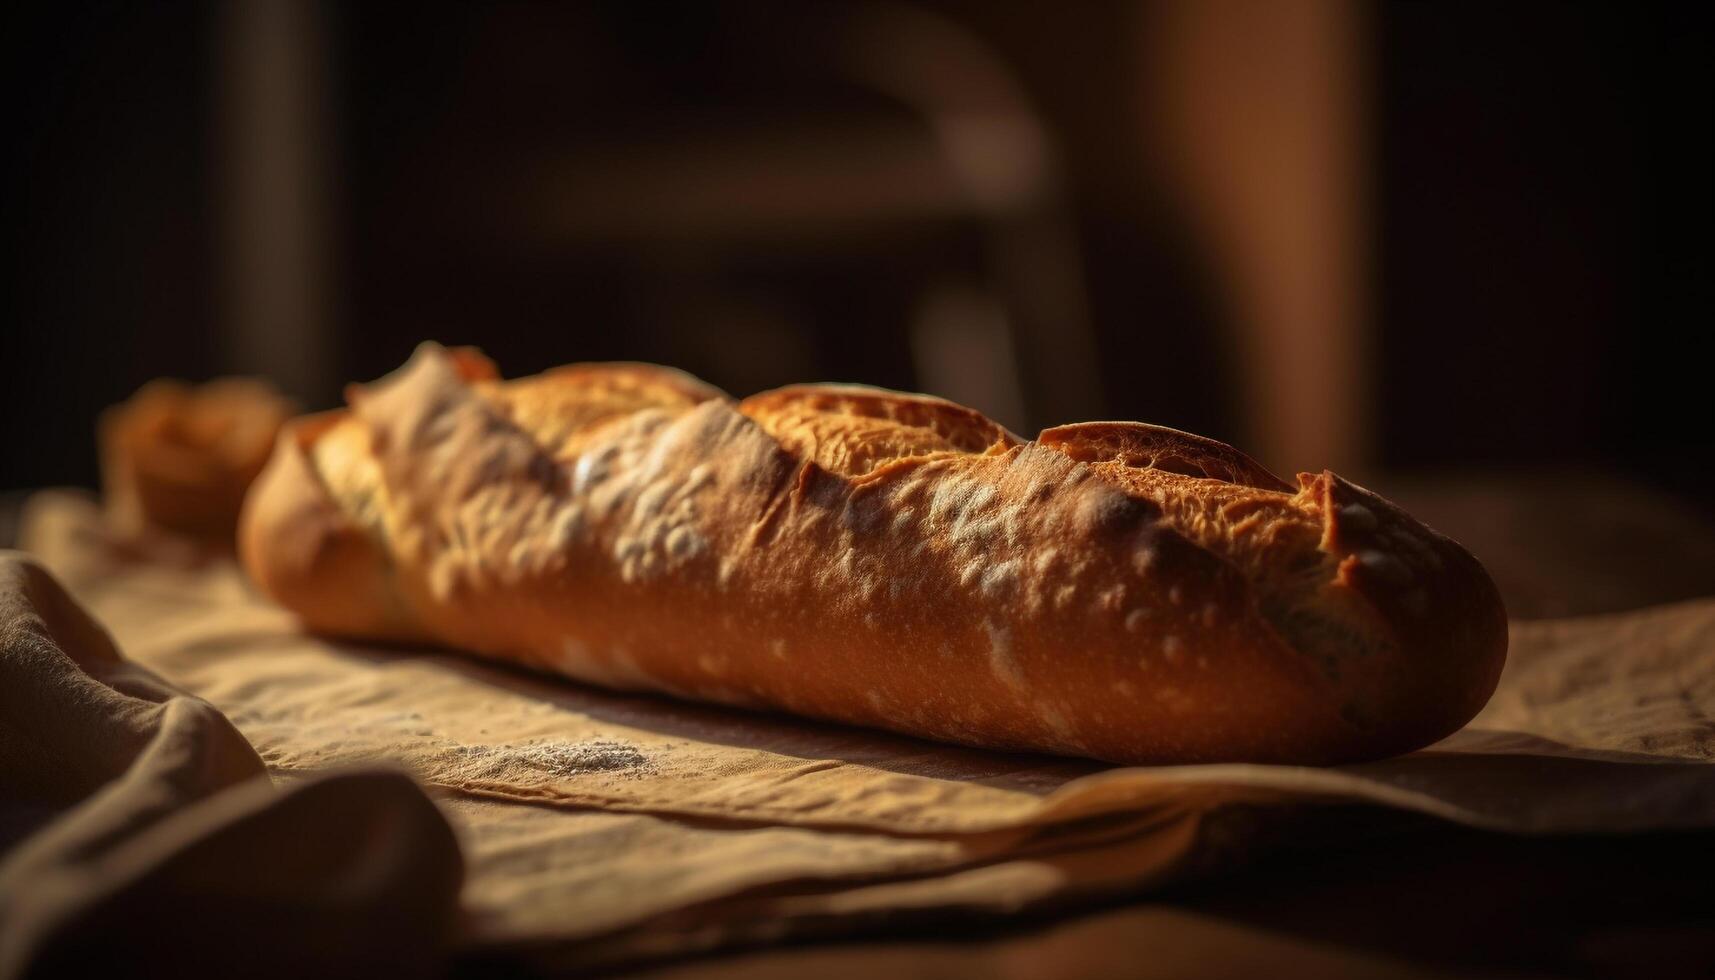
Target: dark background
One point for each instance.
(605, 180)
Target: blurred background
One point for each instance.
(1459, 252)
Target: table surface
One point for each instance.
(1432, 901)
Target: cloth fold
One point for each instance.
(602, 829)
(161, 843)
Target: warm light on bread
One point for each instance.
(1113, 590)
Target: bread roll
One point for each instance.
(1113, 590)
(180, 458)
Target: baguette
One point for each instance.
(1114, 590)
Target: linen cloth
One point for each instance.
(601, 829)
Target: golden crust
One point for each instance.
(1113, 590)
(558, 406)
(313, 557)
(850, 430)
(1138, 446)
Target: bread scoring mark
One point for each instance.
(854, 431)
